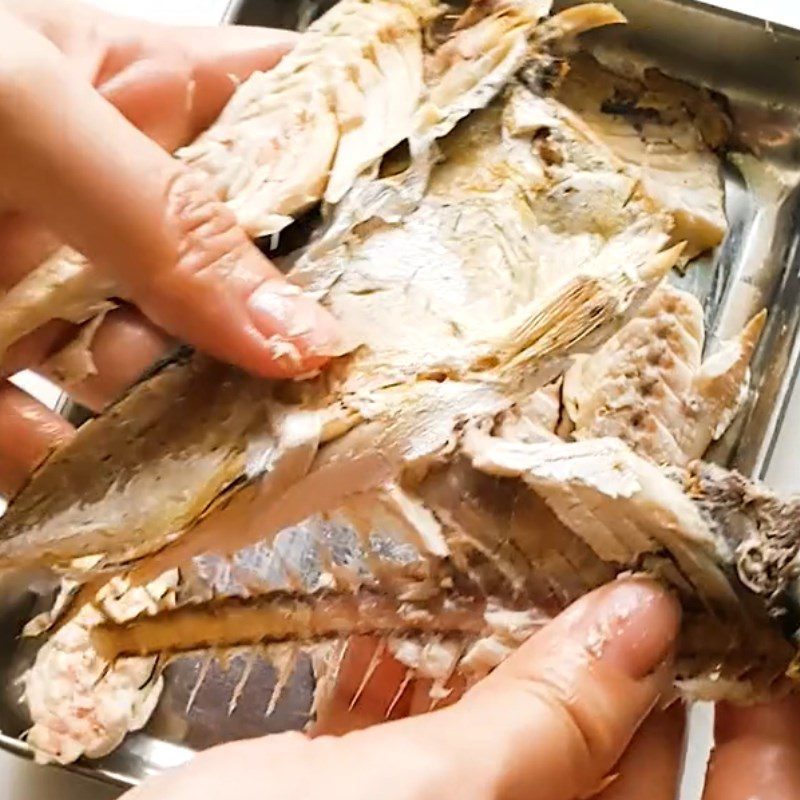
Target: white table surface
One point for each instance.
(20, 780)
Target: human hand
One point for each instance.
(549, 723)
(90, 105)
(756, 755)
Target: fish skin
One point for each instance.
(395, 403)
(196, 414)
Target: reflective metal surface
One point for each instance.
(757, 67)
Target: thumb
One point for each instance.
(552, 721)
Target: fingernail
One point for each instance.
(278, 308)
(632, 626)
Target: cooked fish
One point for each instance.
(342, 98)
(81, 704)
(488, 218)
(669, 132)
(507, 534)
(504, 536)
(354, 87)
(459, 307)
(63, 287)
(539, 417)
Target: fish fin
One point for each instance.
(579, 315)
(582, 18)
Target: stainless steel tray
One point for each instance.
(757, 67)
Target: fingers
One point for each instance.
(652, 760)
(757, 752)
(24, 244)
(123, 348)
(114, 195)
(562, 711)
(549, 723)
(28, 431)
(220, 59)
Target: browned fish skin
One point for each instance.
(189, 423)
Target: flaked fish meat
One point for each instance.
(520, 416)
(440, 350)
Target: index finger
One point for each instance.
(77, 164)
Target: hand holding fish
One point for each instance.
(75, 85)
(561, 719)
(511, 509)
(550, 723)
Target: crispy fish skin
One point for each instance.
(397, 402)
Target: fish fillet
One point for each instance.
(668, 133)
(80, 703)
